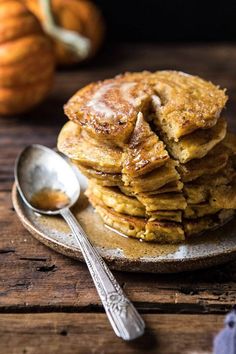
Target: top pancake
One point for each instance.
(108, 110)
(185, 103)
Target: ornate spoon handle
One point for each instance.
(124, 318)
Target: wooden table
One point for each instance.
(48, 303)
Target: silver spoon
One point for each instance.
(38, 170)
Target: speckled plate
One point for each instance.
(123, 253)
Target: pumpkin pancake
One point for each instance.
(160, 163)
(201, 189)
(119, 202)
(108, 109)
(194, 211)
(145, 151)
(184, 103)
(197, 226)
(102, 178)
(90, 153)
(166, 215)
(176, 186)
(115, 199)
(165, 201)
(224, 196)
(230, 142)
(197, 144)
(213, 162)
(141, 228)
(153, 180)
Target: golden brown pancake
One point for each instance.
(176, 186)
(121, 203)
(196, 194)
(166, 215)
(230, 142)
(223, 176)
(197, 144)
(194, 211)
(185, 103)
(108, 109)
(201, 189)
(153, 180)
(141, 228)
(197, 226)
(88, 152)
(213, 162)
(165, 201)
(160, 162)
(145, 151)
(102, 178)
(115, 199)
(223, 196)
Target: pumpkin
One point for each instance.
(26, 59)
(81, 17)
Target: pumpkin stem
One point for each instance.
(74, 41)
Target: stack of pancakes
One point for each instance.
(156, 152)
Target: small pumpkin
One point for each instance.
(26, 59)
(82, 20)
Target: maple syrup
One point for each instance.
(50, 199)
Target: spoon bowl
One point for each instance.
(39, 168)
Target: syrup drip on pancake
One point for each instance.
(112, 96)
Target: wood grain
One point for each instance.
(91, 333)
(35, 279)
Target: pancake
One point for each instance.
(165, 201)
(230, 142)
(176, 186)
(108, 109)
(119, 202)
(153, 180)
(145, 151)
(102, 178)
(163, 232)
(184, 103)
(224, 196)
(196, 194)
(198, 226)
(148, 230)
(226, 175)
(197, 144)
(160, 162)
(90, 153)
(194, 211)
(201, 189)
(166, 215)
(213, 162)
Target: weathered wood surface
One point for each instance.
(36, 279)
(91, 333)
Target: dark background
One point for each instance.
(182, 20)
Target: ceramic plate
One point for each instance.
(122, 253)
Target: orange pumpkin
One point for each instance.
(26, 59)
(80, 16)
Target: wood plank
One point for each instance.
(34, 277)
(91, 333)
